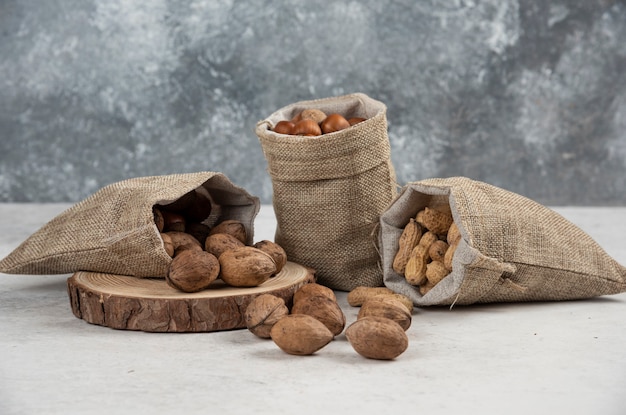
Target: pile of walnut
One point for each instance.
(314, 122)
(426, 248)
(201, 255)
(316, 319)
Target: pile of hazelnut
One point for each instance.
(314, 122)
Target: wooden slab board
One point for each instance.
(146, 304)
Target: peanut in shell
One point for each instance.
(415, 271)
(435, 272)
(360, 294)
(453, 234)
(437, 250)
(410, 236)
(425, 288)
(427, 239)
(447, 260)
(436, 221)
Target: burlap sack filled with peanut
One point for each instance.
(116, 230)
(459, 241)
(330, 165)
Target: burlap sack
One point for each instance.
(113, 230)
(329, 191)
(512, 249)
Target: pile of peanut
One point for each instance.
(202, 254)
(426, 248)
(314, 122)
(316, 318)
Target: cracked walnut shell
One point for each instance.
(263, 312)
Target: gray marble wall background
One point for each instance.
(529, 95)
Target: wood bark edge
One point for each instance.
(96, 298)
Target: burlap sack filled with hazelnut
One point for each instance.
(458, 241)
(331, 182)
(115, 229)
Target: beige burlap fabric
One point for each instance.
(512, 249)
(113, 230)
(329, 191)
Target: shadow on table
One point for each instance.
(491, 307)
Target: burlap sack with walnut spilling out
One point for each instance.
(512, 249)
(330, 190)
(113, 230)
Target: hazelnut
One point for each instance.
(297, 117)
(355, 120)
(284, 127)
(313, 114)
(307, 128)
(334, 122)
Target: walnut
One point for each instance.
(263, 312)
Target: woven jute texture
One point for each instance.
(330, 190)
(512, 249)
(113, 230)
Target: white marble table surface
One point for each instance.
(538, 358)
